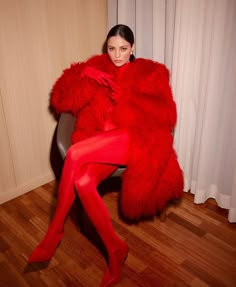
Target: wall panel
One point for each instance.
(38, 39)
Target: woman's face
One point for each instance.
(119, 50)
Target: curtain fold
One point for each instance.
(197, 42)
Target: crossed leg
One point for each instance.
(87, 163)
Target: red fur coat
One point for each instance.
(143, 104)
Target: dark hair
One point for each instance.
(124, 32)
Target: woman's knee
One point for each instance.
(84, 183)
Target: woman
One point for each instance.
(125, 116)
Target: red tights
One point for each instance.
(87, 164)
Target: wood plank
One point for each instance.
(198, 250)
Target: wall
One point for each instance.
(38, 39)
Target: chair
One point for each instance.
(65, 128)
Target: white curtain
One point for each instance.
(196, 39)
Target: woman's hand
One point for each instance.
(100, 77)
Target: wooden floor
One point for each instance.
(195, 246)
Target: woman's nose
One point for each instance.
(117, 53)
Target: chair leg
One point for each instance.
(163, 214)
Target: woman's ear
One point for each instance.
(133, 47)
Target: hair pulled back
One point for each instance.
(124, 32)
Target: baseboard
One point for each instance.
(19, 190)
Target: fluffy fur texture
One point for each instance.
(140, 96)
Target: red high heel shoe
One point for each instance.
(116, 260)
(45, 250)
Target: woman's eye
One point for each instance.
(123, 49)
(110, 48)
